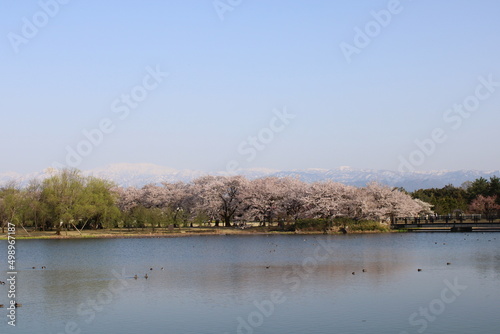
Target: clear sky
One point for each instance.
(360, 81)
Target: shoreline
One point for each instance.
(108, 234)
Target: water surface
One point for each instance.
(258, 284)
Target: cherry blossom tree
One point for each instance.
(485, 205)
(154, 196)
(384, 203)
(265, 199)
(293, 203)
(220, 197)
(231, 195)
(329, 199)
(128, 198)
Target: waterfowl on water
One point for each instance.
(364, 270)
(18, 305)
(44, 267)
(419, 269)
(146, 276)
(135, 277)
(1, 305)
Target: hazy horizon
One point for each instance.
(385, 85)
(138, 175)
(146, 168)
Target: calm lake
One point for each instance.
(258, 284)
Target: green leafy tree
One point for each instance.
(485, 188)
(97, 204)
(73, 200)
(478, 187)
(10, 204)
(32, 209)
(494, 188)
(142, 217)
(61, 194)
(444, 200)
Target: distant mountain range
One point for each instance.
(138, 175)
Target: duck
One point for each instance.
(146, 276)
(364, 270)
(354, 273)
(135, 276)
(448, 263)
(44, 267)
(2, 283)
(419, 269)
(1, 305)
(18, 305)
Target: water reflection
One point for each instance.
(211, 284)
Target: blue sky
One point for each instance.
(228, 78)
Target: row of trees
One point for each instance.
(481, 196)
(69, 199)
(63, 199)
(265, 200)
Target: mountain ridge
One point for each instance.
(138, 175)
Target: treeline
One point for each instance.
(69, 200)
(481, 196)
(65, 199)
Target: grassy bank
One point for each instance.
(311, 226)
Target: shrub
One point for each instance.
(322, 225)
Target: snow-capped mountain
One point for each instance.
(409, 180)
(138, 175)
